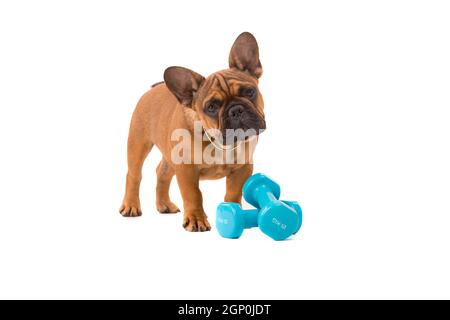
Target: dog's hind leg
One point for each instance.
(164, 174)
(138, 148)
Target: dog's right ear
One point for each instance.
(244, 55)
(183, 83)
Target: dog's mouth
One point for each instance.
(248, 125)
(238, 123)
(229, 137)
(244, 133)
(240, 117)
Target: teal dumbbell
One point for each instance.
(277, 219)
(231, 220)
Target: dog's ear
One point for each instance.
(183, 83)
(244, 55)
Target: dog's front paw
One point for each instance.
(194, 223)
(130, 208)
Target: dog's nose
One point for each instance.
(236, 111)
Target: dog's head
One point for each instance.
(228, 101)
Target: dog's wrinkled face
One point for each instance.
(229, 100)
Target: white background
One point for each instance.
(357, 106)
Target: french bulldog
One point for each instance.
(226, 101)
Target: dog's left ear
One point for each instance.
(244, 55)
(183, 83)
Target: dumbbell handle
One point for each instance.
(264, 196)
(251, 218)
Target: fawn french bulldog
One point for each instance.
(224, 102)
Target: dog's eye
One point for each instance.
(212, 107)
(248, 92)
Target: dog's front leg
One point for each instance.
(195, 218)
(235, 182)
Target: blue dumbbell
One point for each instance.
(231, 220)
(277, 219)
